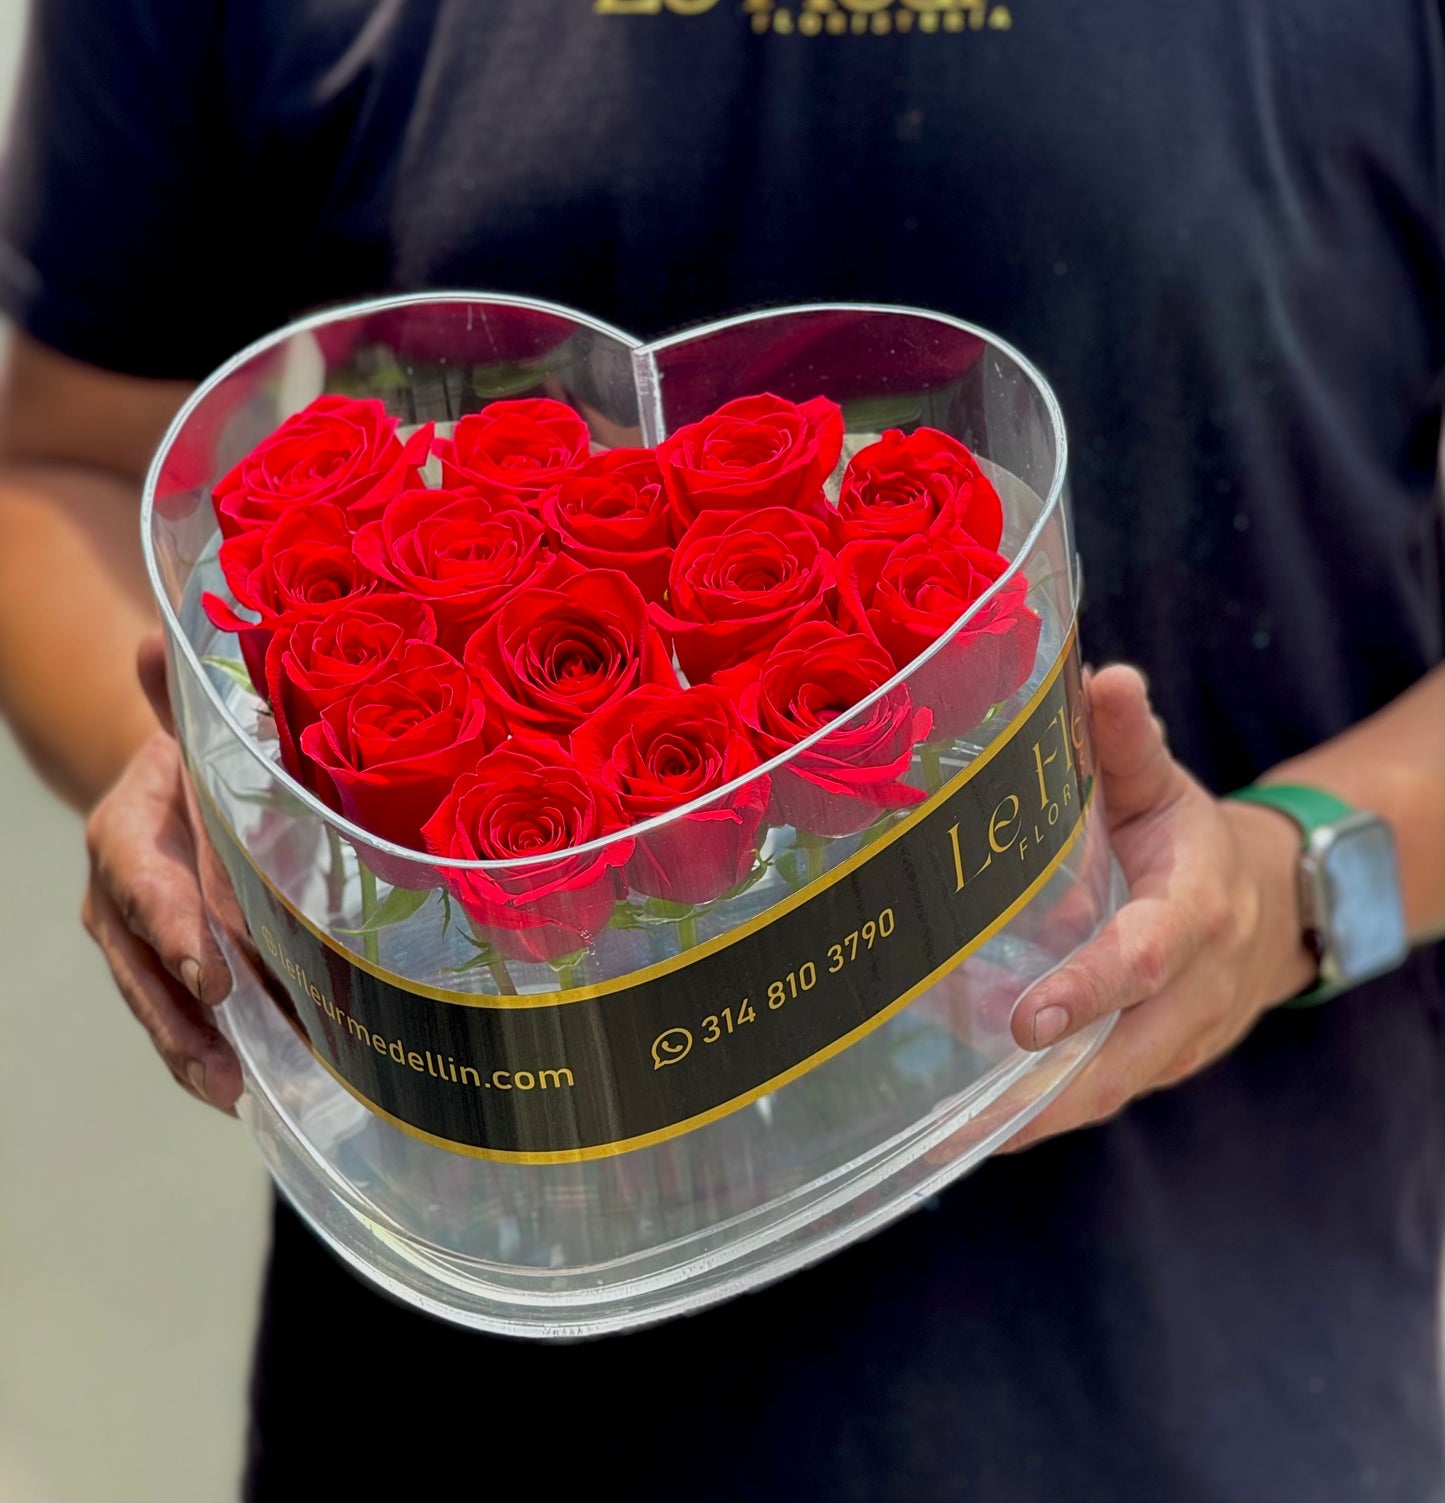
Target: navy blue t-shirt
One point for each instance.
(1220, 229)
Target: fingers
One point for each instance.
(1135, 1058)
(1135, 767)
(143, 859)
(1172, 909)
(144, 908)
(151, 670)
(1138, 953)
(194, 1051)
(1149, 1049)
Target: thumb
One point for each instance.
(151, 668)
(1135, 768)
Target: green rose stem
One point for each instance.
(687, 932)
(566, 974)
(495, 966)
(336, 872)
(370, 943)
(933, 774)
(812, 849)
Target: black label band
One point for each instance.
(604, 1069)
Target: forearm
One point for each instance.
(74, 604)
(1394, 764)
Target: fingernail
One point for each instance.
(1049, 1024)
(196, 1074)
(191, 975)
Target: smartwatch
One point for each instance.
(1349, 887)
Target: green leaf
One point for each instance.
(564, 967)
(376, 366)
(233, 670)
(505, 380)
(751, 880)
(476, 963)
(399, 905)
(668, 913)
(787, 865)
(874, 414)
(878, 826)
(650, 912)
(446, 910)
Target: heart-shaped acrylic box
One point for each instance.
(704, 1100)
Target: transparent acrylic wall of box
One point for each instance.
(574, 1248)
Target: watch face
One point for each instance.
(1364, 917)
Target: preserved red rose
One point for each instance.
(657, 749)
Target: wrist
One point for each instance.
(1269, 847)
(113, 746)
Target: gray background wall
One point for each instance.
(132, 1219)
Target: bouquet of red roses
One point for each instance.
(506, 644)
(631, 789)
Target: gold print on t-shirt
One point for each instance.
(652, 7)
(812, 18)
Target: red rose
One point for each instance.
(613, 514)
(461, 552)
(564, 648)
(521, 448)
(738, 582)
(754, 452)
(395, 746)
(901, 486)
(336, 451)
(315, 663)
(844, 782)
(659, 748)
(525, 800)
(907, 595)
(302, 568)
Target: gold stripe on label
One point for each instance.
(698, 952)
(736, 1103)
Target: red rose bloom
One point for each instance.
(659, 748)
(754, 452)
(461, 552)
(302, 568)
(334, 451)
(738, 582)
(901, 486)
(853, 775)
(613, 514)
(527, 799)
(315, 663)
(564, 648)
(907, 595)
(520, 448)
(394, 747)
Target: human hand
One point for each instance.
(144, 908)
(1209, 938)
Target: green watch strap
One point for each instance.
(1309, 808)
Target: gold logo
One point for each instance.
(812, 18)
